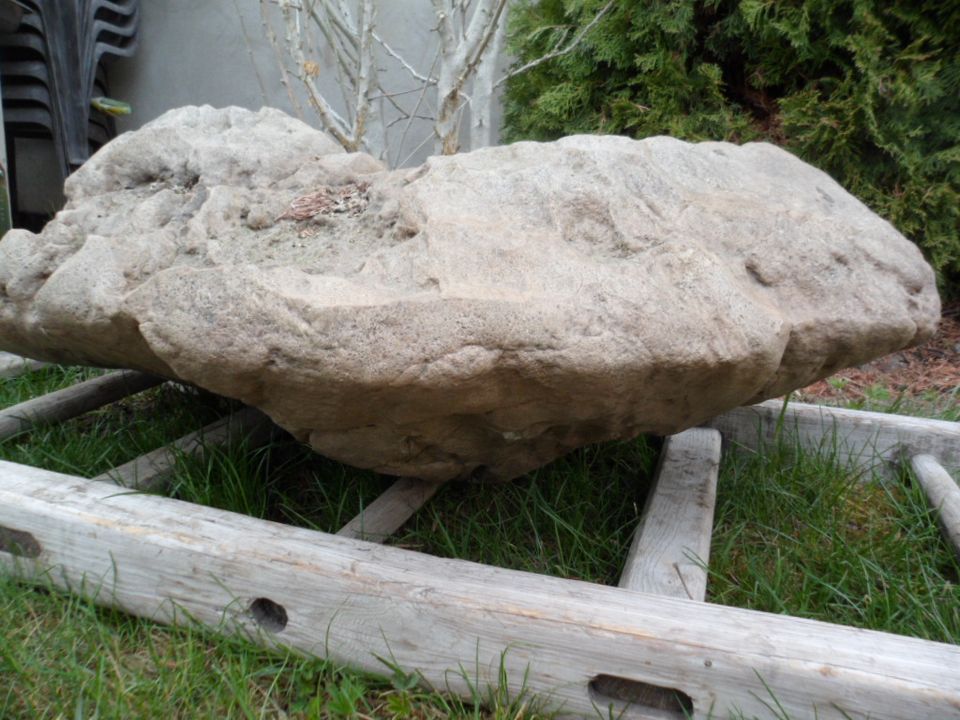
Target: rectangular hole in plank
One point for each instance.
(19, 543)
(640, 696)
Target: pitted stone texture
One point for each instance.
(477, 316)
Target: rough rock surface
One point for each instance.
(475, 317)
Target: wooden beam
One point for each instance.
(671, 545)
(13, 365)
(942, 493)
(457, 623)
(384, 516)
(868, 440)
(150, 472)
(74, 400)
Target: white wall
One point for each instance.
(195, 52)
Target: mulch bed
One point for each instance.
(931, 369)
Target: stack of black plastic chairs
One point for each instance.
(52, 66)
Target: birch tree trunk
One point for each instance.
(469, 37)
(482, 130)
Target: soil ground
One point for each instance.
(925, 372)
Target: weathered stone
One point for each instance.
(477, 316)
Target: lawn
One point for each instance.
(799, 535)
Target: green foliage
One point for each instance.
(867, 90)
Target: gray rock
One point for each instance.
(477, 316)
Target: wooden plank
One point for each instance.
(356, 601)
(74, 400)
(869, 440)
(384, 516)
(13, 365)
(151, 471)
(942, 493)
(671, 546)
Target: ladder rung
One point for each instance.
(151, 471)
(942, 493)
(74, 400)
(384, 516)
(671, 545)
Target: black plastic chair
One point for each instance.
(54, 64)
(51, 68)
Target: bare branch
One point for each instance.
(344, 46)
(444, 23)
(365, 70)
(484, 32)
(404, 118)
(399, 58)
(334, 33)
(413, 152)
(330, 118)
(464, 9)
(349, 27)
(337, 20)
(469, 32)
(253, 63)
(570, 47)
(275, 44)
(336, 27)
(398, 93)
(416, 108)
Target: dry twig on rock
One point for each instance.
(351, 200)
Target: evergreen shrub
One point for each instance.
(867, 90)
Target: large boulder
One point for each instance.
(477, 316)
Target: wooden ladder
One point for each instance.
(649, 649)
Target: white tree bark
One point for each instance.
(366, 73)
(482, 131)
(469, 37)
(460, 59)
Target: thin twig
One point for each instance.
(444, 23)
(420, 98)
(398, 93)
(428, 118)
(275, 44)
(400, 59)
(332, 121)
(246, 41)
(413, 152)
(558, 53)
(365, 70)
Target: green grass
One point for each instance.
(879, 398)
(572, 519)
(100, 440)
(63, 657)
(802, 534)
(793, 534)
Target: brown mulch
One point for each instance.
(929, 369)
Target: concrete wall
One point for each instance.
(196, 52)
(215, 52)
